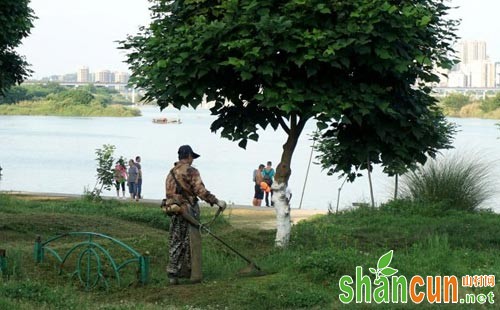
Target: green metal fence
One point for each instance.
(90, 257)
(3, 262)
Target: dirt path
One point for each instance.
(238, 215)
(263, 218)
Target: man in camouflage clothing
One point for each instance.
(183, 186)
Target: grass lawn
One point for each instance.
(305, 276)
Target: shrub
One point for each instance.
(456, 101)
(455, 183)
(491, 103)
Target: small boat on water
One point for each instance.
(164, 120)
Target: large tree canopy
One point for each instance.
(16, 21)
(356, 66)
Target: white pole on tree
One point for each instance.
(307, 174)
(370, 181)
(396, 187)
(338, 196)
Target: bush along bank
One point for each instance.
(88, 101)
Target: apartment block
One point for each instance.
(83, 75)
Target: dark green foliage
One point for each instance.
(15, 94)
(16, 20)
(389, 116)
(358, 67)
(397, 141)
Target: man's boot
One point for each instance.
(195, 245)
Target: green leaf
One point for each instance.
(383, 53)
(266, 70)
(373, 270)
(253, 137)
(388, 271)
(385, 260)
(162, 64)
(259, 97)
(243, 143)
(321, 125)
(425, 20)
(246, 75)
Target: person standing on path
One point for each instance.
(133, 176)
(259, 193)
(183, 186)
(120, 175)
(268, 175)
(139, 180)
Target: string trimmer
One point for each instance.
(251, 269)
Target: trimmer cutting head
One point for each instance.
(251, 270)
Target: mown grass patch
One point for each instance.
(304, 276)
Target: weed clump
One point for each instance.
(455, 183)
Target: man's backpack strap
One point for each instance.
(182, 189)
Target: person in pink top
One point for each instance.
(120, 175)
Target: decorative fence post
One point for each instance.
(3, 261)
(144, 266)
(92, 262)
(38, 249)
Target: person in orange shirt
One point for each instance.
(265, 187)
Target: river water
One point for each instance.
(57, 154)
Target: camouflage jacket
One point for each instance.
(191, 183)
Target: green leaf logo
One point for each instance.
(388, 271)
(383, 269)
(385, 260)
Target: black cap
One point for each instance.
(185, 150)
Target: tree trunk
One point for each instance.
(283, 171)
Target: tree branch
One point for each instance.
(293, 122)
(283, 124)
(302, 123)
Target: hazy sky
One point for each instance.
(69, 34)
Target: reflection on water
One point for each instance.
(57, 154)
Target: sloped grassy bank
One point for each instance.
(425, 242)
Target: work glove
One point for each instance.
(221, 204)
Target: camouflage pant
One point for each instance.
(181, 246)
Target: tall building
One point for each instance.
(103, 76)
(475, 69)
(121, 77)
(83, 75)
(471, 51)
(497, 74)
(70, 77)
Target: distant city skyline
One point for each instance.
(85, 74)
(69, 34)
